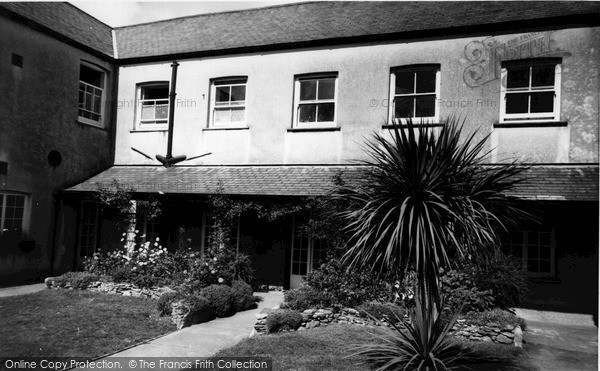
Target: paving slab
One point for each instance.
(21, 290)
(204, 339)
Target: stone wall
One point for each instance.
(125, 289)
(490, 332)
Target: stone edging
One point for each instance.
(125, 289)
(490, 332)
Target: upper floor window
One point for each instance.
(315, 100)
(92, 83)
(153, 105)
(414, 92)
(530, 90)
(12, 213)
(228, 103)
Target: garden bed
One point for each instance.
(75, 323)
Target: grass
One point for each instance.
(330, 348)
(73, 323)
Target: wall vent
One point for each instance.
(17, 60)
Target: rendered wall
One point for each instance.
(38, 113)
(470, 87)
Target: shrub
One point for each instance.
(382, 310)
(200, 307)
(283, 319)
(242, 294)
(500, 316)
(76, 280)
(306, 297)
(502, 275)
(164, 302)
(347, 287)
(459, 287)
(220, 298)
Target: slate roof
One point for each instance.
(64, 21)
(543, 182)
(304, 24)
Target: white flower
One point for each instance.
(215, 258)
(221, 280)
(157, 239)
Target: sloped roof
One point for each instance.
(304, 24)
(543, 182)
(65, 21)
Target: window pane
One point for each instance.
(517, 103)
(518, 77)
(222, 115)
(326, 112)
(532, 252)
(238, 114)
(238, 93)
(545, 238)
(307, 112)
(90, 76)
(426, 81)
(543, 75)
(544, 253)
(425, 106)
(162, 111)
(327, 89)
(403, 107)
(155, 92)
(405, 82)
(222, 93)
(308, 90)
(542, 102)
(147, 111)
(533, 265)
(545, 266)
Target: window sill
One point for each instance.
(227, 128)
(529, 124)
(331, 128)
(95, 126)
(416, 125)
(148, 130)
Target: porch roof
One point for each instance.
(542, 182)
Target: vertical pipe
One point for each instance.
(172, 95)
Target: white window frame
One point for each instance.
(232, 81)
(392, 93)
(150, 124)
(297, 102)
(26, 208)
(531, 117)
(100, 122)
(95, 223)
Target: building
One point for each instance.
(282, 97)
(56, 123)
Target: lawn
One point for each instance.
(72, 323)
(330, 348)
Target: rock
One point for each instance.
(352, 311)
(487, 339)
(508, 328)
(313, 324)
(302, 329)
(503, 339)
(461, 320)
(493, 324)
(49, 282)
(309, 311)
(260, 316)
(127, 293)
(518, 337)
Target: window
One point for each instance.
(414, 91)
(535, 248)
(228, 103)
(153, 105)
(91, 90)
(530, 90)
(12, 213)
(315, 101)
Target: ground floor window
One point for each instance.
(307, 254)
(536, 250)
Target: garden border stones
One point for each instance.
(311, 318)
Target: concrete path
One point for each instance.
(21, 290)
(561, 341)
(205, 339)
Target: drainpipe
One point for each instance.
(172, 95)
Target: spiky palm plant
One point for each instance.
(427, 201)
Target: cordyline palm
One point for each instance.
(427, 201)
